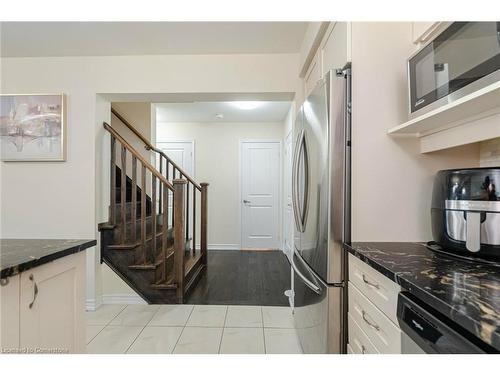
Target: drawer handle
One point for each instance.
(376, 286)
(35, 291)
(373, 325)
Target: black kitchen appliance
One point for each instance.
(433, 332)
(466, 211)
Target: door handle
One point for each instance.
(306, 178)
(311, 285)
(316, 289)
(35, 291)
(294, 185)
(245, 201)
(298, 213)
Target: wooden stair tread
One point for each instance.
(146, 266)
(131, 246)
(165, 284)
(190, 261)
(127, 246)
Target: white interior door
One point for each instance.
(182, 153)
(260, 180)
(287, 199)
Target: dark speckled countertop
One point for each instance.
(465, 290)
(18, 255)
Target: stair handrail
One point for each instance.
(136, 153)
(149, 146)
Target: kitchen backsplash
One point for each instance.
(489, 154)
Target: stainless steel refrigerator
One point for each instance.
(321, 206)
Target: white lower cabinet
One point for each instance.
(372, 323)
(379, 289)
(51, 308)
(360, 343)
(9, 314)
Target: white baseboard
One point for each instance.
(225, 246)
(122, 299)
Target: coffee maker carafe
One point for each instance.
(466, 211)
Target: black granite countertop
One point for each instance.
(465, 290)
(18, 255)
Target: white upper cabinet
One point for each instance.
(333, 52)
(336, 51)
(313, 74)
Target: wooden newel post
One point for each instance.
(204, 220)
(179, 237)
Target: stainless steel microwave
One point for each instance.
(463, 58)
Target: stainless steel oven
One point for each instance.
(464, 58)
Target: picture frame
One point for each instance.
(32, 127)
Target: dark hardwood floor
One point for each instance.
(243, 278)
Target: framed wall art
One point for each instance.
(33, 127)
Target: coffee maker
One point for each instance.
(465, 212)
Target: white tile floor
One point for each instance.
(191, 329)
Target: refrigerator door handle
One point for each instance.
(294, 192)
(316, 289)
(295, 177)
(306, 185)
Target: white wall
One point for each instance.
(392, 181)
(66, 200)
(217, 161)
(138, 114)
(490, 153)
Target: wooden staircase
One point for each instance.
(149, 239)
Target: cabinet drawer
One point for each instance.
(360, 344)
(383, 333)
(379, 289)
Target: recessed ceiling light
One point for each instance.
(219, 116)
(247, 104)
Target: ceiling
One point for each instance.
(267, 111)
(28, 39)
